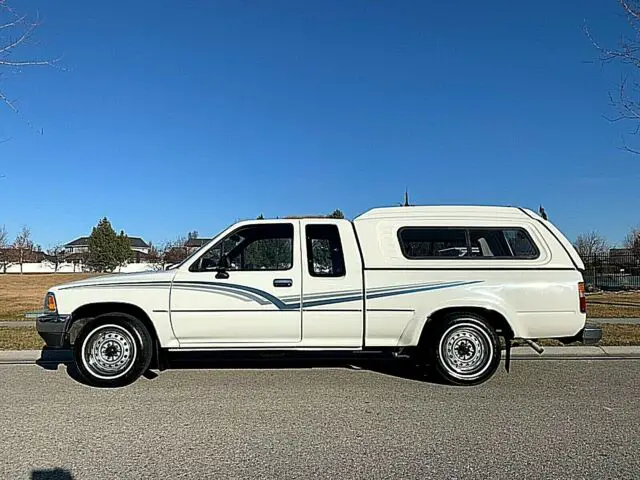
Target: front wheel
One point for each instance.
(113, 350)
(464, 349)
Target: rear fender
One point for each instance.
(413, 331)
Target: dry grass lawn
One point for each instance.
(25, 293)
(20, 338)
(612, 335)
(612, 305)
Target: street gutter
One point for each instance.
(30, 357)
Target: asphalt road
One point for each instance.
(546, 419)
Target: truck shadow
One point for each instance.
(399, 368)
(391, 367)
(51, 474)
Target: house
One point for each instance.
(195, 243)
(76, 250)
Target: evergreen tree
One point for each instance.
(125, 254)
(107, 250)
(336, 214)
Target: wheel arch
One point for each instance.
(83, 314)
(86, 312)
(494, 317)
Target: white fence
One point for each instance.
(48, 267)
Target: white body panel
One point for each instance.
(382, 299)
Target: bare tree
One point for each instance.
(175, 251)
(5, 254)
(55, 255)
(590, 244)
(22, 247)
(632, 240)
(16, 34)
(156, 257)
(626, 100)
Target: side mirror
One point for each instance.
(223, 264)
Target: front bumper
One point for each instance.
(53, 329)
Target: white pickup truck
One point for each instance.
(440, 284)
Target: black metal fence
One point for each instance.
(612, 271)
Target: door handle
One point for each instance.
(283, 282)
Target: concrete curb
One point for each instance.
(29, 357)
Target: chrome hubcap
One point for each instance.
(109, 351)
(466, 351)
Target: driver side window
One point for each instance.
(251, 248)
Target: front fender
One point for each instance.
(152, 300)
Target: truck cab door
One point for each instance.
(243, 291)
(332, 285)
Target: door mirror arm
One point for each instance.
(222, 274)
(223, 265)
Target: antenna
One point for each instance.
(406, 197)
(543, 214)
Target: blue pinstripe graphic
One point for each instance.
(371, 296)
(421, 289)
(255, 293)
(261, 293)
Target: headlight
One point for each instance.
(50, 303)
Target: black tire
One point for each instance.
(463, 349)
(113, 350)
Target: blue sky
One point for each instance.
(174, 116)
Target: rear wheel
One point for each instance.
(464, 349)
(113, 350)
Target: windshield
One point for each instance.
(195, 252)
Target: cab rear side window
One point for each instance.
(420, 243)
(324, 251)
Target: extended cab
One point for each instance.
(441, 284)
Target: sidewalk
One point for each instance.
(578, 352)
(17, 323)
(13, 357)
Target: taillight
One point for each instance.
(582, 297)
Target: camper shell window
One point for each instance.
(424, 243)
